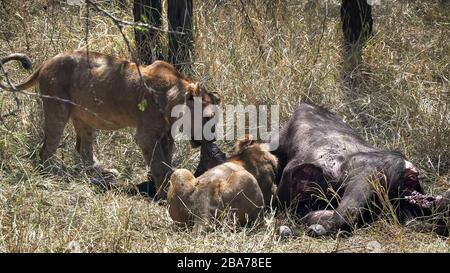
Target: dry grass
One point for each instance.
(398, 99)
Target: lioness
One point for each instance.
(243, 184)
(97, 91)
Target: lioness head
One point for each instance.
(203, 103)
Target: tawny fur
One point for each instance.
(244, 184)
(105, 93)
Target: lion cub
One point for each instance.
(244, 184)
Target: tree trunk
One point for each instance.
(180, 46)
(147, 41)
(356, 17)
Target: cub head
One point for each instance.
(206, 103)
(181, 187)
(255, 154)
(257, 159)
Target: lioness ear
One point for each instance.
(244, 143)
(194, 89)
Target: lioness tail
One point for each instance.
(26, 63)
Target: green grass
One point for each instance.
(285, 56)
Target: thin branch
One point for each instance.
(136, 60)
(249, 22)
(86, 37)
(16, 99)
(25, 32)
(128, 23)
(14, 90)
(120, 24)
(64, 101)
(8, 81)
(324, 23)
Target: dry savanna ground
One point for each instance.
(398, 99)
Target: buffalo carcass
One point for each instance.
(335, 180)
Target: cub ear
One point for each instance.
(194, 89)
(244, 143)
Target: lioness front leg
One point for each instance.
(85, 146)
(158, 156)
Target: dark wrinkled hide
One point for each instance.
(321, 156)
(210, 156)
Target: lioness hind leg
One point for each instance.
(85, 146)
(56, 115)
